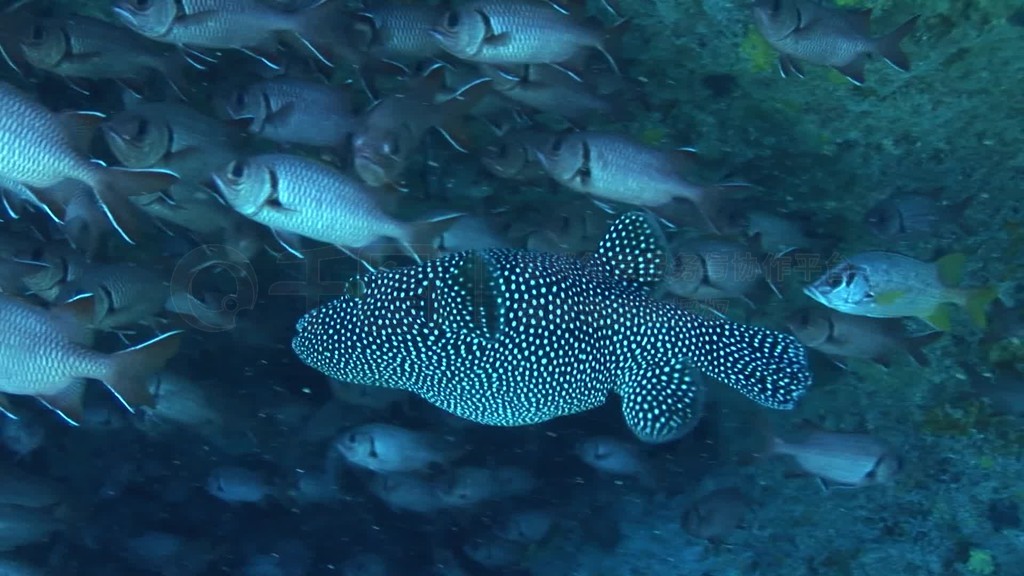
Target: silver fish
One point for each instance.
(890, 285)
(406, 492)
(44, 355)
(819, 34)
(125, 294)
(547, 89)
(249, 25)
(170, 136)
(391, 131)
(514, 156)
(238, 485)
(394, 31)
(83, 47)
(386, 448)
(842, 335)
(516, 32)
(841, 458)
(616, 167)
(298, 195)
(615, 457)
(42, 150)
(908, 215)
(714, 268)
(290, 110)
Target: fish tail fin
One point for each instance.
(768, 367)
(888, 46)
(117, 185)
(977, 302)
(916, 344)
(129, 370)
(421, 240)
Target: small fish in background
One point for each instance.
(22, 436)
(889, 285)
(46, 148)
(313, 487)
(295, 195)
(81, 47)
(518, 32)
(615, 167)
(548, 90)
(495, 553)
(472, 233)
(391, 131)
(513, 156)
(61, 268)
(773, 232)
(715, 268)
(386, 448)
(840, 335)
(125, 294)
(46, 356)
(252, 26)
(842, 458)
(819, 34)
(617, 458)
(182, 402)
(907, 215)
(717, 514)
(295, 111)
(470, 485)
(238, 485)
(525, 526)
(407, 492)
(170, 136)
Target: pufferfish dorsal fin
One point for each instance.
(633, 250)
(662, 403)
(461, 295)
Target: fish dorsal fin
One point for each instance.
(633, 250)
(462, 297)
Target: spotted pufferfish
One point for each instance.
(515, 337)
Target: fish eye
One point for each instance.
(556, 145)
(141, 129)
(451, 21)
(141, 4)
(240, 98)
(501, 150)
(38, 33)
(236, 169)
(835, 280)
(390, 147)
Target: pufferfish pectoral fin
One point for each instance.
(633, 250)
(464, 298)
(662, 404)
